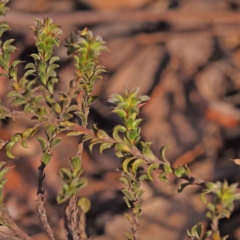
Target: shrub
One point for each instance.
(68, 114)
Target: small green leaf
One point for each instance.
(162, 153)
(120, 112)
(74, 133)
(139, 193)
(105, 146)
(127, 202)
(17, 137)
(147, 152)
(9, 146)
(54, 59)
(29, 73)
(122, 147)
(129, 218)
(10, 155)
(143, 177)
(150, 168)
(124, 180)
(29, 132)
(50, 129)
(84, 204)
(92, 145)
(129, 195)
(65, 174)
(46, 157)
(66, 124)
(126, 163)
(24, 143)
(163, 177)
(136, 165)
(57, 108)
(102, 134)
(117, 129)
(129, 236)
(55, 142)
(42, 142)
(76, 162)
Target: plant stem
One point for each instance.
(40, 202)
(6, 219)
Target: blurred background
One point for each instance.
(184, 54)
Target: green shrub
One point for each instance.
(68, 114)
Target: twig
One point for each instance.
(75, 127)
(40, 202)
(5, 236)
(7, 220)
(72, 217)
(82, 225)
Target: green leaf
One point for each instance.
(76, 162)
(29, 73)
(92, 98)
(150, 168)
(105, 146)
(24, 143)
(9, 146)
(122, 147)
(16, 62)
(136, 164)
(50, 85)
(42, 142)
(126, 163)
(162, 153)
(4, 64)
(166, 168)
(50, 129)
(130, 123)
(129, 236)
(127, 202)
(102, 134)
(124, 180)
(65, 174)
(120, 112)
(54, 59)
(163, 177)
(147, 152)
(57, 108)
(85, 204)
(10, 155)
(117, 129)
(144, 98)
(17, 137)
(66, 124)
(139, 193)
(92, 145)
(29, 132)
(143, 177)
(74, 133)
(30, 66)
(55, 142)
(129, 218)
(129, 195)
(46, 157)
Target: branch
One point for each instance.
(75, 127)
(6, 219)
(5, 236)
(40, 202)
